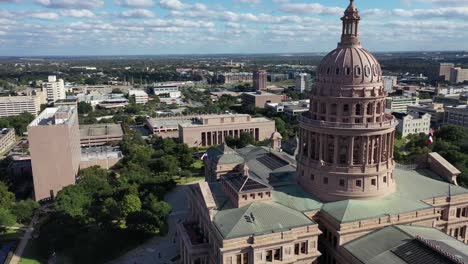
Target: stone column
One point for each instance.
(321, 148)
(309, 145)
(350, 151)
(335, 155)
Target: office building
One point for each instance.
(458, 75)
(103, 156)
(456, 115)
(141, 97)
(260, 80)
(303, 82)
(413, 123)
(171, 90)
(400, 103)
(435, 110)
(100, 134)
(54, 144)
(16, 105)
(345, 201)
(389, 82)
(260, 99)
(235, 77)
(212, 130)
(54, 89)
(167, 127)
(445, 71)
(7, 139)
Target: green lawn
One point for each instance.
(198, 164)
(400, 142)
(186, 180)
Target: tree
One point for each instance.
(168, 164)
(245, 139)
(109, 211)
(131, 203)
(84, 108)
(143, 222)
(280, 126)
(6, 198)
(24, 210)
(6, 219)
(73, 201)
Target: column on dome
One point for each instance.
(335, 154)
(350, 150)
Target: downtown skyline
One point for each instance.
(159, 27)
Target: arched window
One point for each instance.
(378, 108)
(369, 109)
(346, 109)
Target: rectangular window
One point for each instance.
(296, 249)
(374, 182)
(269, 256)
(342, 182)
(277, 255)
(459, 210)
(325, 180)
(358, 183)
(385, 179)
(304, 247)
(238, 259)
(312, 177)
(245, 258)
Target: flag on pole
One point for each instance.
(430, 140)
(204, 156)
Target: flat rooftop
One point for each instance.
(256, 94)
(53, 116)
(114, 130)
(100, 153)
(137, 93)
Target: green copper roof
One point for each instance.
(225, 155)
(294, 197)
(412, 187)
(382, 245)
(258, 218)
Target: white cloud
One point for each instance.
(443, 12)
(136, 3)
(137, 13)
(45, 15)
(315, 8)
(446, 2)
(77, 13)
(10, 1)
(76, 4)
(172, 4)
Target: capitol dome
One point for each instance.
(349, 64)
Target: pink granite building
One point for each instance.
(54, 144)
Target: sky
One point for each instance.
(154, 27)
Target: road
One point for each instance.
(24, 241)
(161, 249)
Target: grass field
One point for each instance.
(11, 234)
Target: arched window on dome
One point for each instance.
(348, 70)
(369, 109)
(357, 70)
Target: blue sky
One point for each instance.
(139, 27)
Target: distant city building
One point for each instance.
(212, 130)
(458, 75)
(448, 72)
(141, 97)
(303, 82)
(456, 115)
(413, 123)
(235, 77)
(16, 105)
(389, 82)
(400, 104)
(54, 89)
(113, 103)
(278, 77)
(166, 89)
(451, 99)
(445, 71)
(85, 68)
(435, 110)
(54, 144)
(7, 139)
(259, 99)
(100, 134)
(260, 80)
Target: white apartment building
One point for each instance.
(16, 105)
(413, 123)
(55, 89)
(389, 82)
(7, 139)
(303, 82)
(141, 97)
(171, 90)
(400, 103)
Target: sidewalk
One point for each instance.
(24, 241)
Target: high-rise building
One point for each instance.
(445, 71)
(303, 82)
(389, 82)
(54, 144)
(458, 75)
(54, 89)
(260, 80)
(342, 199)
